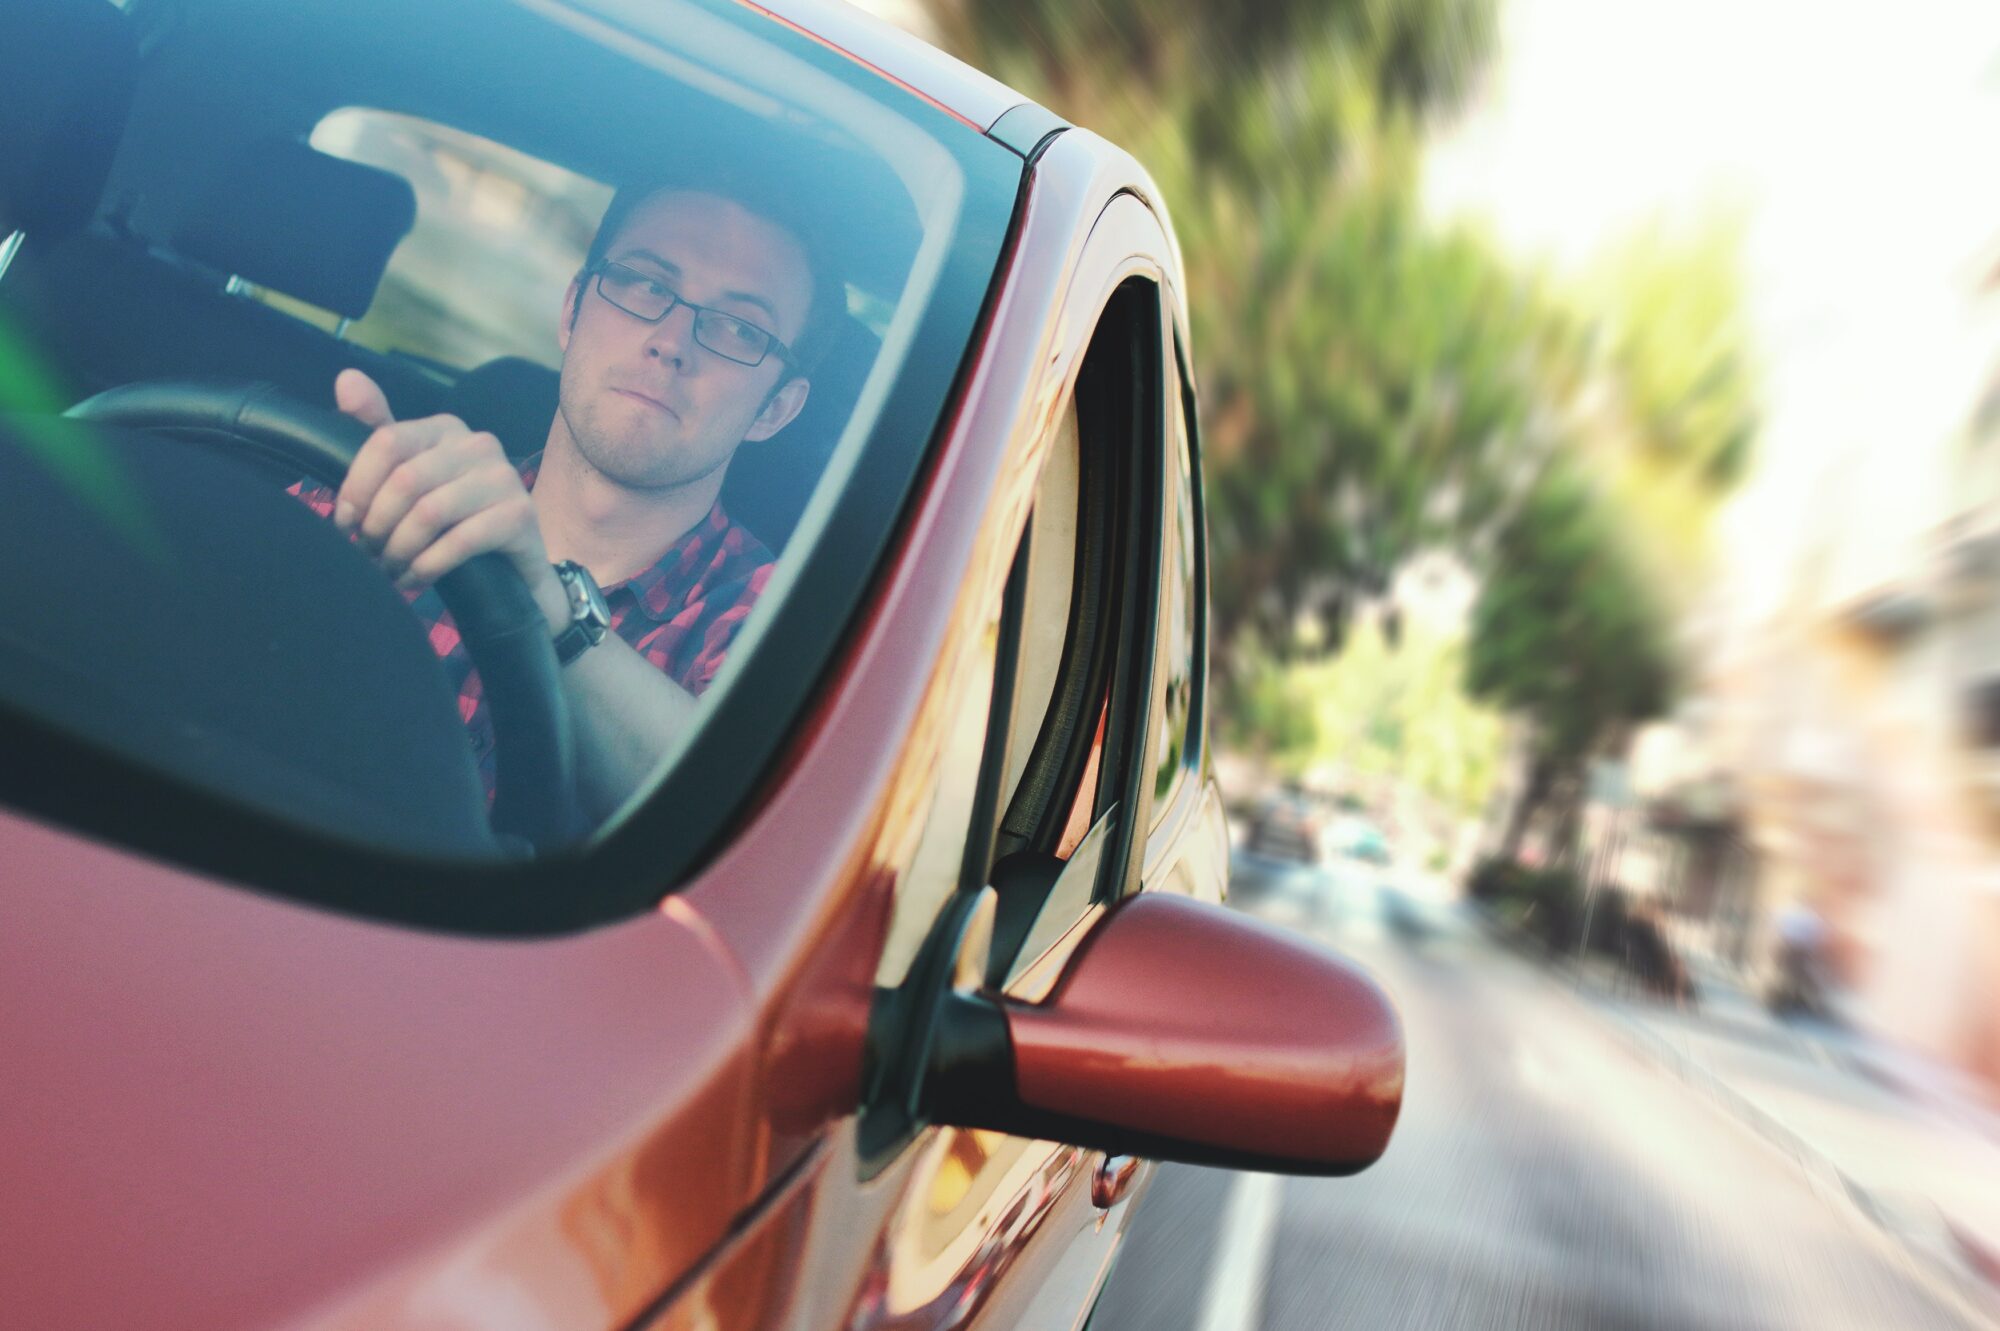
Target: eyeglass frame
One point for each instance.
(595, 274)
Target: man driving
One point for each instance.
(688, 332)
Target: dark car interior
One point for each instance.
(156, 162)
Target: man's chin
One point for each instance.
(637, 464)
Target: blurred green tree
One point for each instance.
(1373, 388)
(1242, 85)
(1380, 709)
(1670, 416)
(1570, 636)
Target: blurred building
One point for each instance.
(1851, 741)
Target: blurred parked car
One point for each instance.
(863, 1012)
(1289, 826)
(1358, 839)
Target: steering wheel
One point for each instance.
(498, 620)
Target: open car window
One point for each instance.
(413, 190)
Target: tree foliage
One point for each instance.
(1253, 90)
(1380, 709)
(1566, 632)
(1373, 389)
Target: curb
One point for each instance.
(1968, 1268)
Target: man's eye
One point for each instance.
(634, 283)
(739, 334)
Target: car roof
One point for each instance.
(904, 59)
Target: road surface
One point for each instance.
(1542, 1176)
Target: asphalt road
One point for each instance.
(1542, 1176)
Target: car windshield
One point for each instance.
(705, 283)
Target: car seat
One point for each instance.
(110, 306)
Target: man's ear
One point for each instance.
(779, 408)
(567, 320)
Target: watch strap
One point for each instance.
(573, 642)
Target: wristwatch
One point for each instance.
(589, 616)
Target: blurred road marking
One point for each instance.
(1235, 1297)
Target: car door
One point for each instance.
(994, 1230)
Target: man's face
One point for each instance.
(645, 404)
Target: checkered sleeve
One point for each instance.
(720, 630)
(318, 498)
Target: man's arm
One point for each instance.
(626, 712)
(427, 495)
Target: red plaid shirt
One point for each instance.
(681, 614)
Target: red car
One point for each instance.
(859, 1009)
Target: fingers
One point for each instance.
(426, 495)
(441, 509)
(498, 526)
(362, 398)
(383, 456)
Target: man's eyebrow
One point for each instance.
(672, 269)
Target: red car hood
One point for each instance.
(222, 1111)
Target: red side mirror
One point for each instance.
(1184, 1031)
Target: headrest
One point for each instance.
(287, 216)
(67, 71)
(511, 398)
(769, 481)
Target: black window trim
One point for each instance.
(1195, 752)
(1127, 783)
(1194, 744)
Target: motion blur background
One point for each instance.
(1602, 431)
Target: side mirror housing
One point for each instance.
(1183, 1031)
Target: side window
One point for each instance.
(1049, 795)
(1061, 702)
(1174, 740)
(1068, 801)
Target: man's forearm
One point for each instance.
(625, 714)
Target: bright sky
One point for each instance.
(1859, 142)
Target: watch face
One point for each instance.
(588, 608)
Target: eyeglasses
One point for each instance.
(644, 296)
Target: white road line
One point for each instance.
(1236, 1277)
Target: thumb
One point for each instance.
(360, 397)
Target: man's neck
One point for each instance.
(613, 531)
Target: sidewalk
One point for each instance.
(1897, 1138)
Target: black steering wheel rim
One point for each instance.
(503, 629)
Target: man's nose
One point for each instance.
(672, 338)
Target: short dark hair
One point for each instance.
(828, 303)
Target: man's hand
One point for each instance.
(427, 495)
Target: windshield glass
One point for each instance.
(637, 304)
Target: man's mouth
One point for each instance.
(641, 396)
